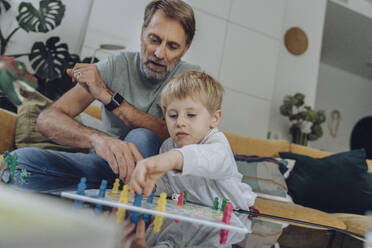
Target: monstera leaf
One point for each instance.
(46, 18)
(49, 60)
(4, 5)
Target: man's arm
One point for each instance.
(88, 76)
(56, 123)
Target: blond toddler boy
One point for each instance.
(197, 157)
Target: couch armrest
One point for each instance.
(7, 130)
(297, 212)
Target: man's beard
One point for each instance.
(151, 73)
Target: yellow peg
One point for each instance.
(115, 188)
(158, 222)
(124, 196)
(120, 215)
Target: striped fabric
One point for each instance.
(263, 174)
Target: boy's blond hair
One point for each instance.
(198, 85)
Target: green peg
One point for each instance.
(215, 203)
(184, 197)
(224, 204)
(11, 164)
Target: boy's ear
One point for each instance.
(216, 118)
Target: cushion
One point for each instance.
(337, 183)
(315, 153)
(26, 135)
(260, 147)
(262, 174)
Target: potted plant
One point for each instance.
(48, 59)
(305, 122)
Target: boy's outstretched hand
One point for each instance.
(149, 170)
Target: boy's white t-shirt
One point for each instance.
(209, 171)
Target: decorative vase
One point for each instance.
(298, 137)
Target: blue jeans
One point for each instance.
(57, 171)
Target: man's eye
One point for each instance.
(173, 47)
(154, 41)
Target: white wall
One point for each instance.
(348, 93)
(239, 42)
(298, 73)
(71, 31)
(114, 22)
(240, 48)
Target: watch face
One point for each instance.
(116, 101)
(296, 41)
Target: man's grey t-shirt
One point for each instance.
(121, 73)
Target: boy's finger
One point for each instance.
(141, 174)
(148, 189)
(136, 188)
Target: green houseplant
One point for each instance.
(47, 17)
(305, 122)
(49, 59)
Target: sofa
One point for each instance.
(243, 145)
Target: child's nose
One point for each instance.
(180, 122)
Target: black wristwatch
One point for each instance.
(116, 100)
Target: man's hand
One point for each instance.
(120, 155)
(149, 170)
(88, 76)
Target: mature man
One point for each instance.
(128, 85)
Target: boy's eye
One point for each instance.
(173, 116)
(191, 115)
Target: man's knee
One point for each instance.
(145, 140)
(141, 134)
(27, 153)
